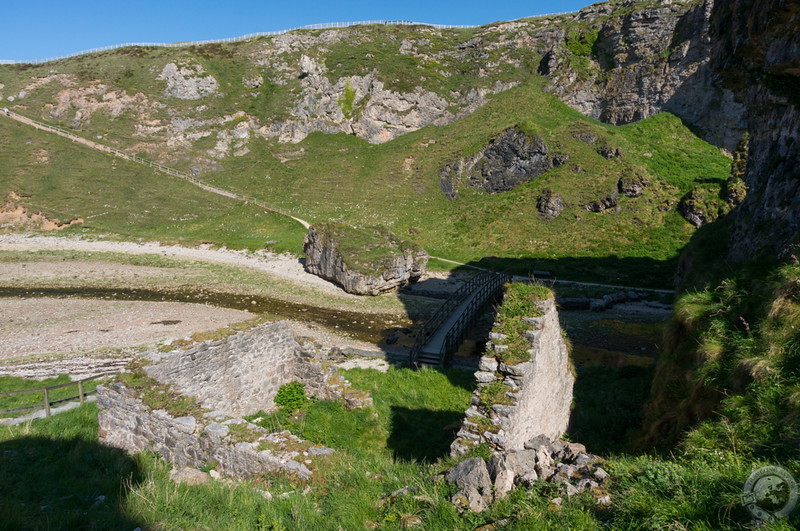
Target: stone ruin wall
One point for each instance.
(540, 394)
(127, 423)
(232, 377)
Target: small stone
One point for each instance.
(471, 473)
(520, 369)
(488, 364)
(485, 377)
(557, 501)
(320, 451)
(544, 472)
(571, 490)
(604, 501)
(214, 474)
(600, 474)
(586, 483)
(503, 484)
(528, 479)
(189, 476)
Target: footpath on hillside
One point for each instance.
(149, 163)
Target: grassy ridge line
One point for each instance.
(150, 164)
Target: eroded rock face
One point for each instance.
(549, 205)
(187, 83)
(506, 162)
(755, 50)
(644, 62)
(330, 254)
(362, 106)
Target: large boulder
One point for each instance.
(366, 261)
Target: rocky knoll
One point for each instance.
(503, 164)
(366, 261)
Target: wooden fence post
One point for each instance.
(80, 390)
(46, 402)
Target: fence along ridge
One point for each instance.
(327, 25)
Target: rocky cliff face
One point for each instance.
(756, 51)
(620, 62)
(362, 261)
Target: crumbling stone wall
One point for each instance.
(241, 374)
(534, 396)
(229, 378)
(239, 452)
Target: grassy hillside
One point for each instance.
(122, 199)
(121, 98)
(339, 177)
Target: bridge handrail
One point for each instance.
(429, 328)
(457, 332)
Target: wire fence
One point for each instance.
(329, 25)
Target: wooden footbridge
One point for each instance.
(441, 335)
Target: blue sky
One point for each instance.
(37, 30)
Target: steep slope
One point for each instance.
(260, 118)
(621, 61)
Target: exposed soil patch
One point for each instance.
(15, 217)
(49, 326)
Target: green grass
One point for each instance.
(58, 464)
(12, 383)
(130, 201)
(342, 178)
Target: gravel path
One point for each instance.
(281, 265)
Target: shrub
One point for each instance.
(291, 396)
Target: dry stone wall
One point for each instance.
(239, 374)
(229, 378)
(232, 445)
(515, 404)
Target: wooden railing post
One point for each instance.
(46, 402)
(80, 390)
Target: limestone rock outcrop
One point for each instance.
(755, 51)
(636, 63)
(503, 164)
(366, 261)
(549, 205)
(187, 82)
